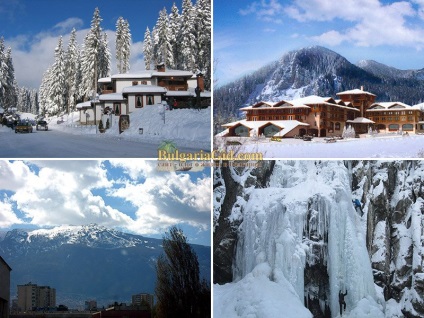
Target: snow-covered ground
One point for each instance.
(188, 128)
(380, 146)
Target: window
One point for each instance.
(407, 127)
(117, 108)
(139, 101)
(337, 126)
(393, 127)
(150, 99)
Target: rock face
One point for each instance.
(318, 239)
(392, 194)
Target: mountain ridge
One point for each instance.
(87, 262)
(318, 71)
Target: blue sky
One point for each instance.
(249, 34)
(32, 28)
(130, 195)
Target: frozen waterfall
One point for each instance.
(304, 217)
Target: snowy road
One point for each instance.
(57, 144)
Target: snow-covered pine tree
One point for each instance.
(123, 45)
(164, 48)
(10, 94)
(43, 93)
(147, 49)
(174, 29)
(33, 100)
(57, 90)
(155, 41)
(71, 70)
(3, 71)
(90, 57)
(187, 37)
(203, 54)
(104, 58)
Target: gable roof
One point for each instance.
(355, 91)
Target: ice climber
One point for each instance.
(342, 302)
(357, 205)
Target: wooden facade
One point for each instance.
(325, 116)
(392, 117)
(328, 117)
(359, 99)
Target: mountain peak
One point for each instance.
(91, 235)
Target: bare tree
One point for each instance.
(179, 290)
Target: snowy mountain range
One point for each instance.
(318, 71)
(87, 262)
(289, 234)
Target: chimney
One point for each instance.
(200, 82)
(160, 67)
(362, 87)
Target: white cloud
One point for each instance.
(166, 199)
(7, 216)
(268, 11)
(13, 175)
(76, 192)
(67, 25)
(370, 23)
(33, 55)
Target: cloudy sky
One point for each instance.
(131, 195)
(249, 34)
(32, 29)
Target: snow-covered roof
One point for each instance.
(303, 102)
(147, 74)
(84, 105)
(172, 73)
(312, 99)
(355, 92)
(105, 80)
(388, 106)
(360, 120)
(111, 97)
(189, 92)
(285, 125)
(152, 73)
(143, 89)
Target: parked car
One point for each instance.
(42, 124)
(23, 126)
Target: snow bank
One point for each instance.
(391, 146)
(257, 296)
(188, 128)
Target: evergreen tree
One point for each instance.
(71, 71)
(187, 37)
(3, 73)
(104, 58)
(10, 94)
(57, 88)
(91, 63)
(179, 290)
(203, 30)
(43, 93)
(174, 28)
(123, 45)
(147, 49)
(163, 45)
